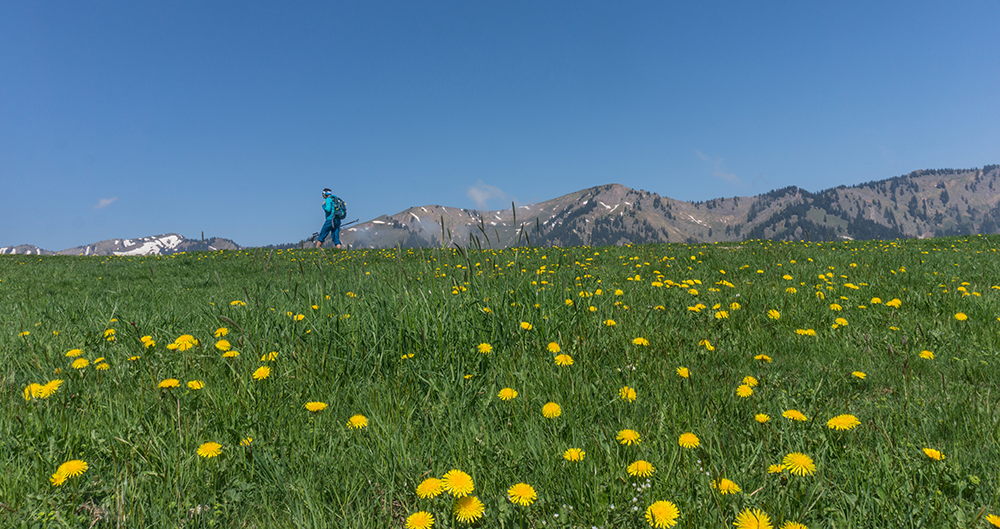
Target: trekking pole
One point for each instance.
(343, 224)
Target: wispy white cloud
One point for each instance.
(717, 170)
(481, 193)
(105, 202)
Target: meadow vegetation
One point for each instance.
(760, 384)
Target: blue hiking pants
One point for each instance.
(331, 225)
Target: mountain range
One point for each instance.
(926, 203)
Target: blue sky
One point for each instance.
(126, 119)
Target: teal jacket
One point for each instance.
(328, 207)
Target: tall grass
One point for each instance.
(394, 337)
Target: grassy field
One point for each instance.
(702, 377)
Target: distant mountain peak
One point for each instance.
(166, 244)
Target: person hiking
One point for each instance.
(335, 211)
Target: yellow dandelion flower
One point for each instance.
(299, 317)
(51, 387)
(72, 468)
(725, 486)
(775, 469)
(993, 519)
(627, 393)
(794, 415)
(220, 332)
(458, 483)
(574, 454)
(33, 391)
(799, 464)
(210, 449)
(564, 360)
(793, 525)
(430, 488)
(683, 372)
(237, 303)
(960, 316)
(134, 358)
(641, 341)
(894, 303)
(936, 455)
(230, 354)
(109, 333)
(80, 363)
(246, 441)
(762, 418)
(357, 422)
(485, 348)
(619, 292)
(554, 347)
(522, 494)
(609, 323)
(836, 307)
(926, 355)
(689, 440)
(57, 479)
(272, 356)
(843, 422)
(628, 437)
(744, 391)
(168, 383)
(420, 520)
(73, 353)
(662, 514)
(223, 345)
(262, 372)
(773, 314)
(315, 406)
(196, 384)
(551, 410)
(507, 394)
(641, 468)
(750, 381)
(752, 519)
(525, 325)
(859, 374)
(469, 509)
(876, 301)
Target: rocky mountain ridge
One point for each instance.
(921, 204)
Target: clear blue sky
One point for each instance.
(126, 119)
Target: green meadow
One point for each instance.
(762, 384)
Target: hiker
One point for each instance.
(335, 210)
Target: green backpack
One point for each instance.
(339, 208)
